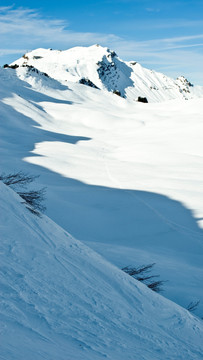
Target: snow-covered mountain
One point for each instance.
(60, 300)
(100, 67)
(124, 177)
(121, 176)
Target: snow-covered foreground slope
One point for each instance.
(105, 70)
(61, 300)
(123, 176)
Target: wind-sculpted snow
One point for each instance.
(60, 300)
(107, 71)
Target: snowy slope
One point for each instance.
(61, 300)
(122, 176)
(107, 71)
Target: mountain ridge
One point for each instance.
(104, 69)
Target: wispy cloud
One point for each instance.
(5, 8)
(28, 27)
(10, 51)
(22, 30)
(174, 56)
(181, 38)
(168, 24)
(153, 9)
(156, 46)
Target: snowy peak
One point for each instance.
(69, 65)
(101, 68)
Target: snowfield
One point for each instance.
(123, 177)
(61, 300)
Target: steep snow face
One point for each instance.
(61, 300)
(107, 71)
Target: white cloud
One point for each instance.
(182, 38)
(10, 51)
(28, 27)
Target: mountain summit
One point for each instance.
(101, 68)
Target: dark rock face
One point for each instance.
(184, 85)
(29, 68)
(142, 99)
(33, 69)
(112, 54)
(87, 82)
(185, 81)
(114, 74)
(15, 66)
(106, 69)
(189, 83)
(117, 92)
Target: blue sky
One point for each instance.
(163, 35)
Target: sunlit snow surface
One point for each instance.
(123, 176)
